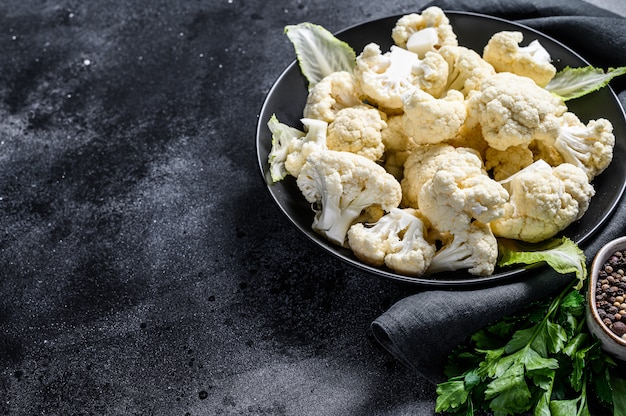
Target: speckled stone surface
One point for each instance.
(144, 269)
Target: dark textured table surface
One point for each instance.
(144, 269)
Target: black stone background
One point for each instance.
(144, 269)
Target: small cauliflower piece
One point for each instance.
(385, 77)
(423, 162)
(358, 130)
(513, 110)
(313, 141)
(504, 163)
(474, 249)
(466, 69)
(504, 53)
(429, 120)
(340, 185)
(413, 253)
(590, 147)
(430, 73)
(543, 201)
(334, 92)
(459, 192)
(290, 146)
(396, 240)
(398, 146)
(421, 33)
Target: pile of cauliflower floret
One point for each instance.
(425, 154)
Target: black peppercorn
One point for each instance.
(619, 328)
(610, 289)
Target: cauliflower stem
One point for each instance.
(455, 255)
(337, 215)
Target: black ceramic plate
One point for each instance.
(287, 98)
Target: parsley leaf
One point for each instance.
(547, 365)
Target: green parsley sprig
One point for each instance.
(541, 360)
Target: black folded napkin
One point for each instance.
(423, 329)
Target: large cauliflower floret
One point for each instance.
(504, 163)
(590, 147)
(504, 53)
(475, 249)
(396, 240)
(466, 69)
(398, 146)
(459, 193)
(290, 146)
(385, 77)
(429, 120)
(421, 33)
(340, 185)
(424, 161)
(358, 130)
(543, 201)
(512, 110)
(334, 92)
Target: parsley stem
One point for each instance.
(554, 305)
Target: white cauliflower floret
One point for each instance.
(340, 185)
(475, 249)
(504, 163)
(590, 147)
(358, 130)
(543, 201)
(504, 53)
(429, 120)
(430, 73)
(396, 240)
(290, 146)
(385, 77)
(460, 192)
(398, 146)
(334, 92)
(513, 110)
(411, 255)
(573, 184)
(466, 69)
(423, 162)
(421, 33)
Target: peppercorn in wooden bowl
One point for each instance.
(606, 298)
